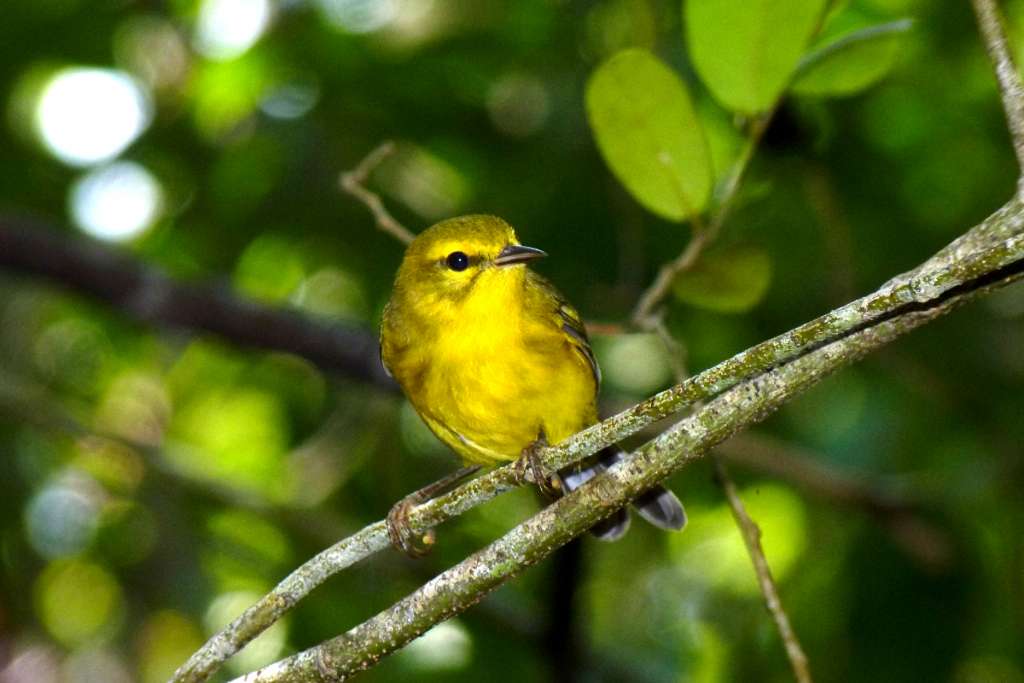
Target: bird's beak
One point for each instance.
(517, 253)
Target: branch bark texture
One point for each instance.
(466, 583)
(739, 392)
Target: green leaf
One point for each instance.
(650, 136)
(746, 50)
(728, 281)
(851, 63)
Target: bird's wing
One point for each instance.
(569, 321)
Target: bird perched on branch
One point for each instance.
(495, 361)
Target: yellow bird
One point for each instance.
(493, 358)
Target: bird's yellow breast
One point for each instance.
(498, 371)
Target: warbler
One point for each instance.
(493, 357)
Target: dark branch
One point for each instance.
(147, 295)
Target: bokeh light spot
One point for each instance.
(77, 600)
(31, 664)
(636, 363)
(73, 352)
(425, 182)
(291, 100)
(166, 640)
(334, 293)
(245, 551)
(270, 269)
(228, 28)
(94, 665)
(518, 104)
(152, 48)
(116, 202)
(61, 519)
(359, 16)
(238, 436)
(446, 647)
(88, 115)
(712, 551)
(136, 405)
(226, 93)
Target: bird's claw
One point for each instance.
(401, 534)
(530, 469)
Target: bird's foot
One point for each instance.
(530, 469)
(402, 536)
(400, 532)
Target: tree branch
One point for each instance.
(468, 582)
(354, 182)
(645, 317)
(990, 23)
(147, 295)
(991, 253)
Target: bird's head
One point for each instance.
(455, 258)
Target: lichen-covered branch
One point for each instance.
(990, 253)
(990, 23)
(463, 585)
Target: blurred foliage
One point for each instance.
(644, 121)
(154, 483)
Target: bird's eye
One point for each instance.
(457, 261)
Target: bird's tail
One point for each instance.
(658, 505)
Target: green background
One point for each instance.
(229, 467)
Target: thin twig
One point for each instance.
(990, 251)
(677, 353)
(1011, 90)
(354, 182)
(747, 527)
(752, 538)
(644, 313)
(903, 516)
(645, 310)
(751, 534)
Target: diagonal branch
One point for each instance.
(467, 583)
(990, 23)
(990, 253)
